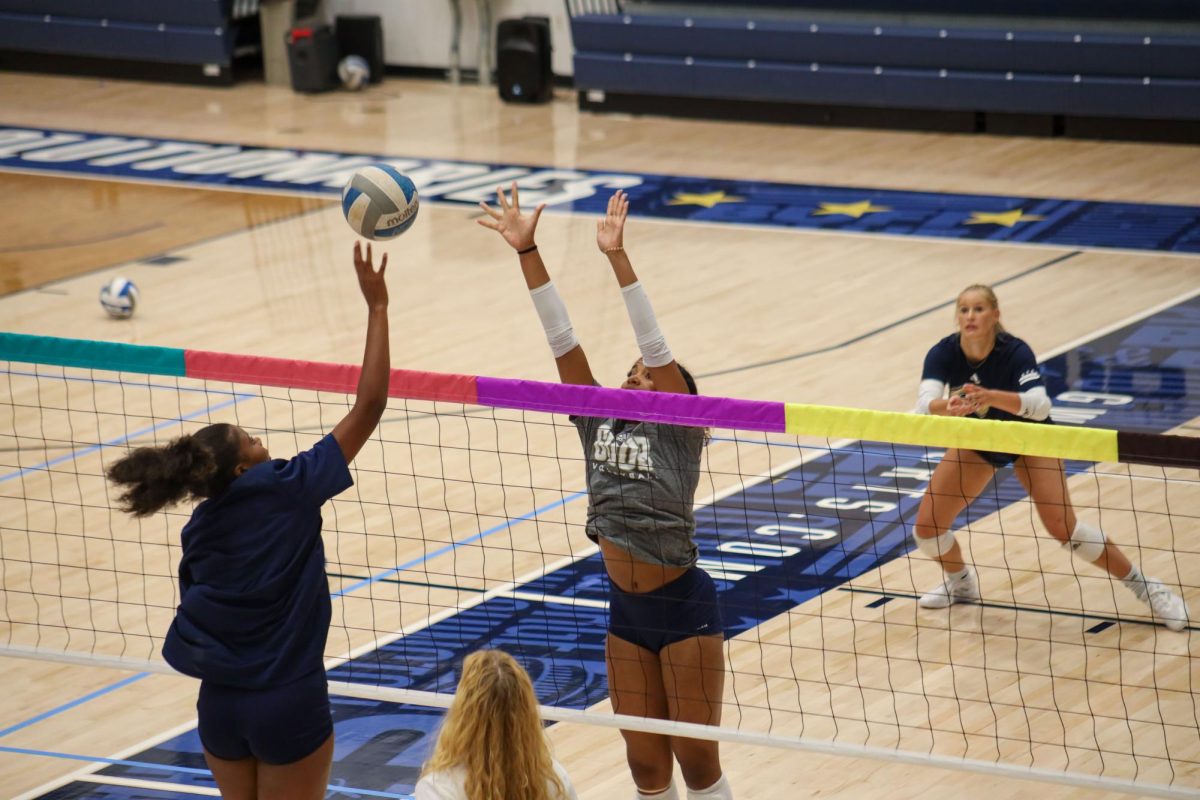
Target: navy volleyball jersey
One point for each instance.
(1010, 367)
(254, 609)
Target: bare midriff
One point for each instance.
(633, 575)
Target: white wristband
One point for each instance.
(650, 340)
(555, 320)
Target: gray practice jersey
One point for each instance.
(641, 480)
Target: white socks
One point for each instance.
(668, 793)
(952, 577)
(718, 791)
(1135, 581)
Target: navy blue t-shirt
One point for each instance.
(1010, 367)
(254, 609)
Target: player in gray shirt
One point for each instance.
(664, 623)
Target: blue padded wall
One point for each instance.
(158, 31)
(1067, 9)
(1010, 70)
(212, 13)
(897, 46)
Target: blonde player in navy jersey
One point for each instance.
(664, 648)
(254, 604)
(992, 374)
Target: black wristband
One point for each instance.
(531, 249)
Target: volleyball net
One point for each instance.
(465, 529)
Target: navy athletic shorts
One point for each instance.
(997, 460)
(277, 725)
(681, 609)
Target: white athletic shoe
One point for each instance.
(962, 590)
(1167, 607)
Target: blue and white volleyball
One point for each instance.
(380, 202)
(354, 72)
(119, 297)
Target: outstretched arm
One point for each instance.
(610, 238)
(370, 400)
(518, 230)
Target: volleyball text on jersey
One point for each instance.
(623, 454)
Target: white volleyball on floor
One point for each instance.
(119, 298)
(354, 72)
(380, 202)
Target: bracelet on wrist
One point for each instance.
(618, 249)
(531, 249)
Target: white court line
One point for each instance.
(549, 598)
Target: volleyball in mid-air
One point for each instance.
(380, 202)
(119, 297)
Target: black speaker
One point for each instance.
(313, 58)
(362, 36)
(523, 60)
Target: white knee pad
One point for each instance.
(937, 546)
(718, 791)
(1086, 542)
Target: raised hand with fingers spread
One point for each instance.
(517, 229)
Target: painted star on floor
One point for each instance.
(707, 200)
(856, 210)
(1006, 218)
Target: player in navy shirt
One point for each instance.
(254, 604)
(664, 649)
(992, 374)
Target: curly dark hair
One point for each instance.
(202, 464)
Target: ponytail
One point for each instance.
(196, 465)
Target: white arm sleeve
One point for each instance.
(1035, 403)
(927, 392)
(555, 320)
(650, 340)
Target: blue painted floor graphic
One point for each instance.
(771, 548)
(1045, 221)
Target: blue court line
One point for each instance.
(455, 545)
(123, 383)
(120, 440)
(77, 701)
(120, 762)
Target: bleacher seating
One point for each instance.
(188, 39)
(1085, 67)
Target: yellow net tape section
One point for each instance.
(1025, 438)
